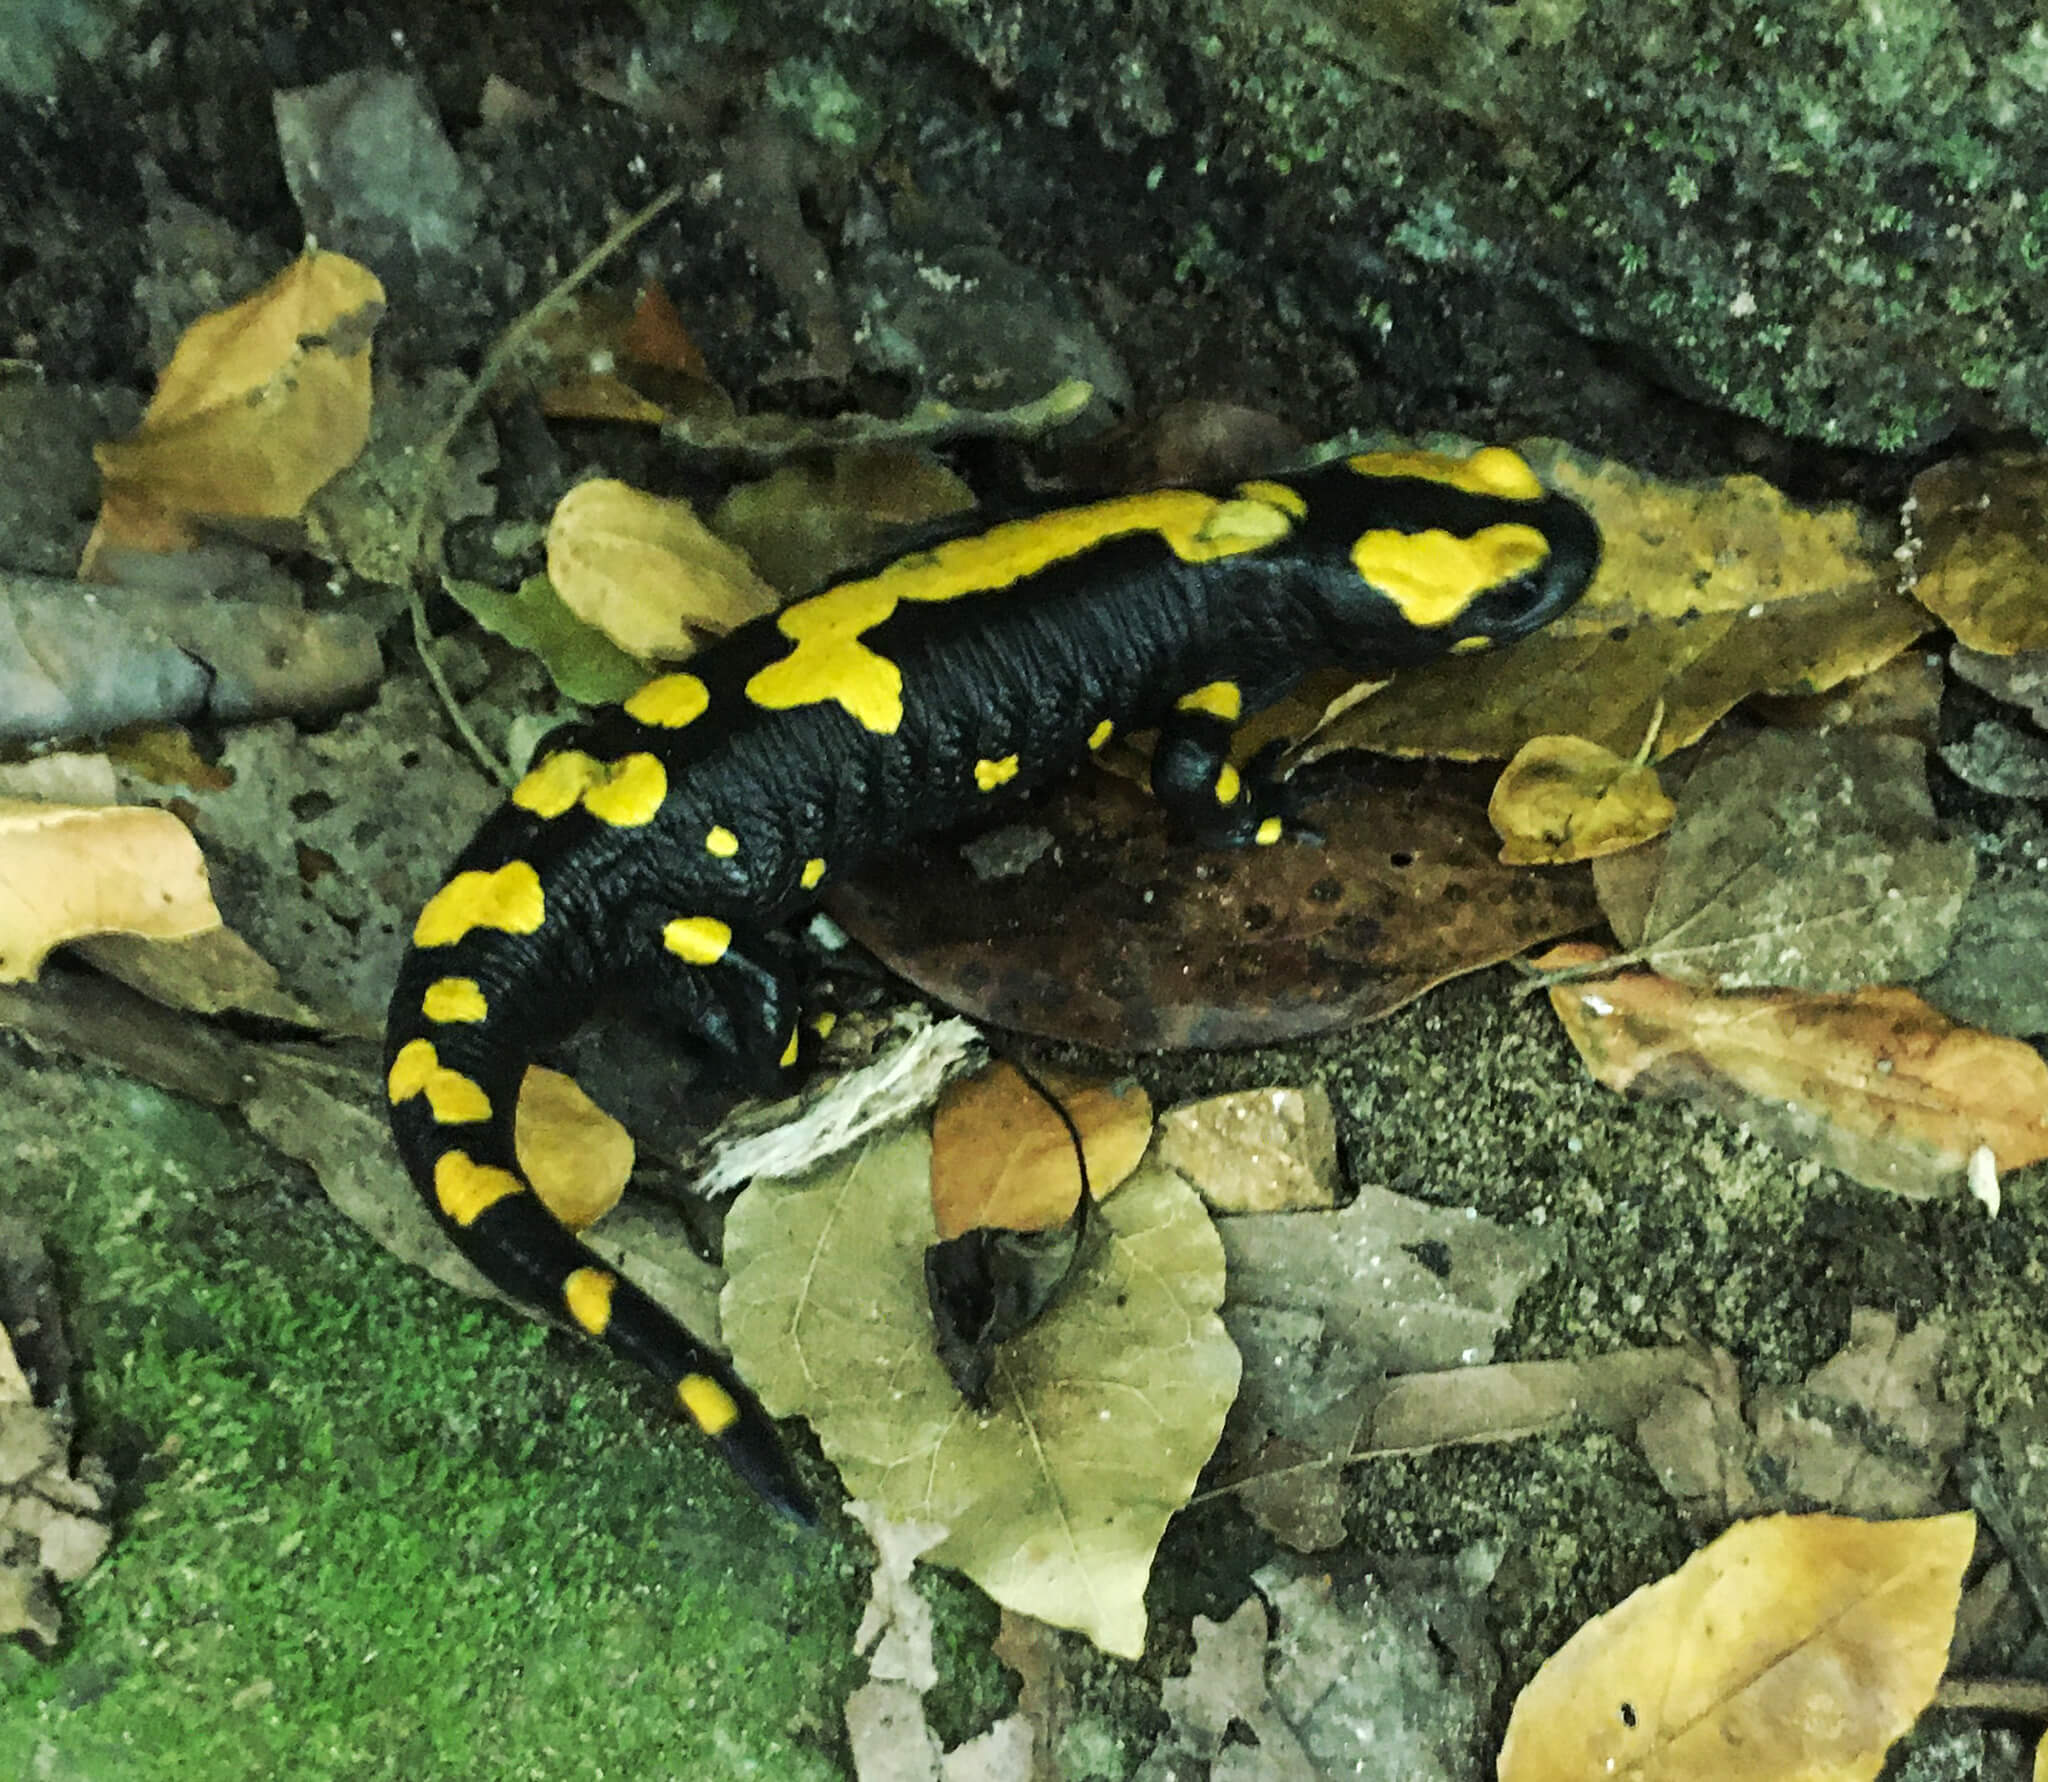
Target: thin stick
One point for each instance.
(434, 457)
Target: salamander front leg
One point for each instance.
(1208, 802)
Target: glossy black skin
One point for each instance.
(1120, 632)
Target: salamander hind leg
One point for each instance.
(725, 991)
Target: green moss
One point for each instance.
(370, 1528)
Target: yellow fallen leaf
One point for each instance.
(72, 870)
(1876, 1083)
(1981, 567)
(647, 572)
(1794, 1649)
(260, 405)
(1002, 1157)
(1563, 798)
(575, 1154)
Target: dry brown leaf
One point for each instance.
(1867, 1432)
(1980, 526)
(1878, 1084)
(73, 870)
(209, 974)
(1794, 1647)
(647, 572)
(575, 1154)
(807, 522)
(1705, 595)
(1256, 1150)
(605, 362)
(1003, 1158)
(260, 405)
(1563, 798)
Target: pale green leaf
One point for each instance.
(1104, 1413)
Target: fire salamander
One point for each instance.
(653, 846)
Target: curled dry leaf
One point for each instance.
(575, 1154)
(1002, 1157)
(1563, 798)
(1982, 567)
(647, 572)
(1794, 1646)
(260, 404)
(73, 870)
(1105, 1411)
(1878, 1084)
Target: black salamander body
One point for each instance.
(655, 845)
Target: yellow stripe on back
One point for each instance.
(830, 662)
(1492, 470)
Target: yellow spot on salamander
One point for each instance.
(452, 1098)
(1270, 830)
(830, 663)
(509, 900)
(988, 775)
(814, 870)
(711, 1407)
(1288, 501)
(788, 1051)
(450, 1000)
(1228, 785)
(556, 782)
(1433, 576)
(1101, 734)
(465, 1188)
(588, 1295)
(1220, 699)
(697, 940)
(1493, 470)
(630, 792)
(721, 841)
(670, 702)
(822, 1024)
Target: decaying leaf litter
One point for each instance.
(1815, 612)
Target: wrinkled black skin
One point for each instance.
(1119, 632)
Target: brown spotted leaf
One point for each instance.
(1794, 1646)
(1111, 936)
(1876, 1083)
